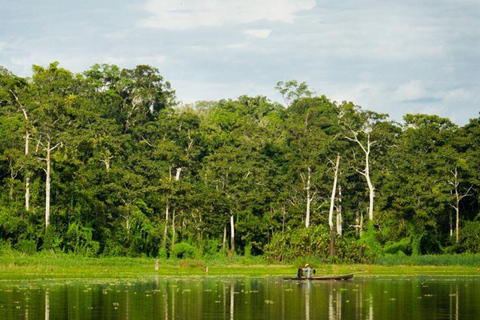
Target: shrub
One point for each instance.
(26, 246)
(183, 250)
(314, 243)
(162, 253)
(469, 239)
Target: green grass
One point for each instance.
(466, 260)
(49, 265)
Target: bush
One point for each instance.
(78, 239)
(469, 239)
(212, 248)
(184, 250)
(314, 243)
(162, 253)
(403, 246)
(26, 246)
(113, 249)
(51, 239)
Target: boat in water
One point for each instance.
(320, 278)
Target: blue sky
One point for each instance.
(395, 57)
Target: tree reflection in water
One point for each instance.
(243, 298)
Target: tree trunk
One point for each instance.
(366, 173)
(127, 224)
(232, 235)
(27, 143)
(309, 199)
(224, 240)
(165, 230)
(332, 242)
(371, 188)
(451, 225)
(339, 212)
(13, 175)
(332, 205)
(47, 187)
(457, 223)
(458, 197)
(27, 178)
(173, 231)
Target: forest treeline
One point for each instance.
(107, 163)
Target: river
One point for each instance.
(243, 298)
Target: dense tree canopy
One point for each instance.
(107, 163)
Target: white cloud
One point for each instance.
(236, 45)
(185, 14)
(3, 45)
(10, 44)
(412, 90)
(459, 96)
(259, 33)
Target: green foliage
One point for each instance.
(469, 241)
(52, 240)
(292, 90)
(184, 250)
(131, 173)
(403, 246)
(162, 253)
(212, 249)
(78, 239)
(314, 244)
(370, 241)
(26, 246)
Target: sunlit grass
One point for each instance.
(467, 260)
(49, 265)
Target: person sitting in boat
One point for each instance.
(300, 272)
(307, 270)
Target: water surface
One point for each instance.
(243, 298)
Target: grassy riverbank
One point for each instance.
(51, 265)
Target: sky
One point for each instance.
(394, 57)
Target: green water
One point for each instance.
(243, 298)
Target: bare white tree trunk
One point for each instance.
(455, 182)
(332, 197)
(332, 205)
(27, 143)
(27, 178)
(339, 212)
(47, 186)
(173, 230)
(366, 172)
(309, 198)
(48, 160)
(165, 230)
(371, 188)
(167, 209)
(106, 160)
(127, 222)
(224, 240)
(232, 234)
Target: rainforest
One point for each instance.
(108, 163)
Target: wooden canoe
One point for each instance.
(326, 277)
